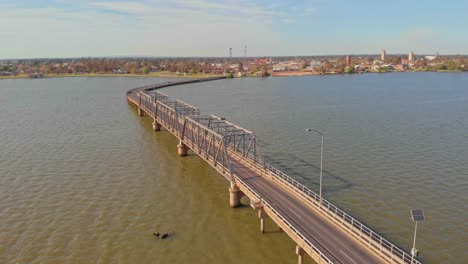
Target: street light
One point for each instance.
(321, 160)
(417, 216)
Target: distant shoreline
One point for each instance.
(164, 75)
(178, 75)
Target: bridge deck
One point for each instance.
(322, 230)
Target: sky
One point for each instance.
(197, 28)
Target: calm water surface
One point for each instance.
(83, 179)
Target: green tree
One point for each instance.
(254, 69)
(145, 70)
(349, 69)
(451, 65)
(193, 70)
(383, 69)
(441, 67)
(264, 68)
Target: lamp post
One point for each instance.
(321, 160)
(417, 215)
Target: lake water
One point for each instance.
(83, 179)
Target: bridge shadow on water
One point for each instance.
(303, 171)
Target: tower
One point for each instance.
(382, 55)
(230, 52)
(348, 60)
(245, 51)
(411, 56)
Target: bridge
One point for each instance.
(320, 229)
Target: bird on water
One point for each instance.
(163, 236)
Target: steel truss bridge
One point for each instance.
(320, 229)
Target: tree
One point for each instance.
(145, 70)
(441, 67)
(451, 65)
(383, 69)
(264, 68)
(328, 67)
(320, 70)
(254, 69)
(240, 66)
(349, 69)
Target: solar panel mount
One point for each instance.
(417, 215)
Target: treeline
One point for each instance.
(111, 65)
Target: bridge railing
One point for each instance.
(322, 257)
(359, 230)
(158, 96)
(153, 96)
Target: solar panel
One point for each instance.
(417, 215)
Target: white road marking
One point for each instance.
(348, 257)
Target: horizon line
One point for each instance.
(222, 57)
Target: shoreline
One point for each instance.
(202, 76)
(164, 75)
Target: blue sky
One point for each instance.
(66, 28)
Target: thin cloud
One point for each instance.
(240, 10)
(124, 7)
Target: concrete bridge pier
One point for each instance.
(182, 149)
(262, 215)
(235, 195)
(300, 255)
(140, 112)
(156, 126)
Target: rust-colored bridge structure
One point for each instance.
(320, 229)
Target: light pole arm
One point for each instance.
(313, 130)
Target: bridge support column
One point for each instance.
(262, 215)
(182, 149)
(156, 126)
(234, 196)
(300, 255)
(140, 111)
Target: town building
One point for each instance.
(382, 55)
(411, 56)
(348, 60)
(429, 58)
